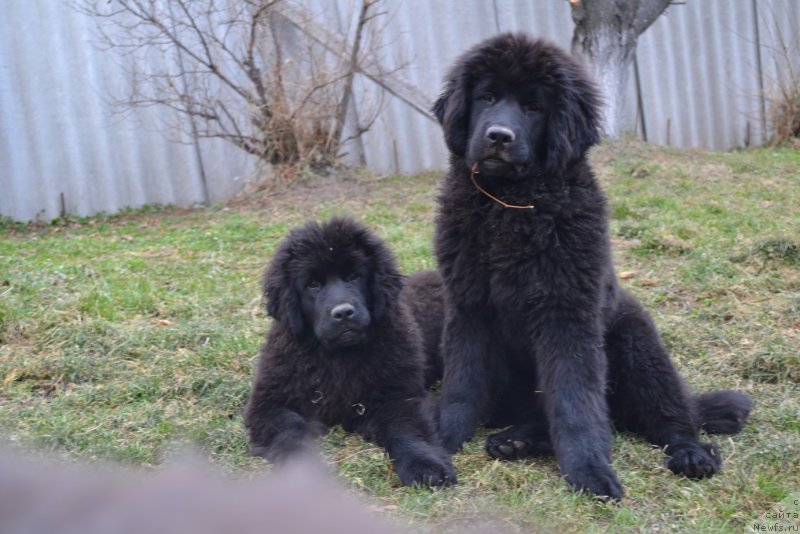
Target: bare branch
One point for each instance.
(648, 12)
(253, 72)
(232, 71)
(335, 44)
(347, 93)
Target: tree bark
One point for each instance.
(605, 39)
(347, 93)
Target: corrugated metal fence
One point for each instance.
(703, 70)
(63, 148)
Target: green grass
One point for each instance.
(122, 336)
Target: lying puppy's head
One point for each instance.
(332, 281)
(518, 106)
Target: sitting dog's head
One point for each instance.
(517, 106)
(332, 281)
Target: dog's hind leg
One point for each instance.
(647, 396)
(519, 409)
(722, 412)
(520, 441)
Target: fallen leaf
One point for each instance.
(11, 377)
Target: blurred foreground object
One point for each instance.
(44, 496)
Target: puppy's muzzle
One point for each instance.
(500, 135)
(343, 312)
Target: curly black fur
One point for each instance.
(538, 333)
(363, 368)
(423, 293)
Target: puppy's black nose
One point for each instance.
(342, 312)
(499, 135)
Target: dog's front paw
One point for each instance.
(596, 478)
(428, 470)
(694, 460)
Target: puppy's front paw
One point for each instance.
(598, 479)
(694, 460)
(426, 470)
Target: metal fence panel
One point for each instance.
(59, 136)
(701, 71)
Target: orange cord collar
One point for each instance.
(472, 174)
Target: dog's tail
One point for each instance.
(723, 412)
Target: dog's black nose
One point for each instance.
(342, 312)
(499, 135)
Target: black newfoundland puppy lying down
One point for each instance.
(343, 349)
(538, 333)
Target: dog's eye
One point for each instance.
(489, 98)
(352, 277)
(313, 284)
(531, 105)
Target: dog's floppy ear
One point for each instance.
(574, 122)
(384, 287)
(283, 302)
(385, 280)
(451, 109)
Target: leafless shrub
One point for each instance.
(785, 114)
(242, 71)
(783, 96)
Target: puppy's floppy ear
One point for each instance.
(283, 302)
(385, 280)
(384, 287)
(574, 121)
(451, 109)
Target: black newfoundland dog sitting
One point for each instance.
(538, 333)
(344, 348)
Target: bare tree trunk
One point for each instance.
(605, 39)
(348, 82)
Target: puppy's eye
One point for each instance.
(313, 284)
(352, 277)
(531, 105)
(489, 98)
